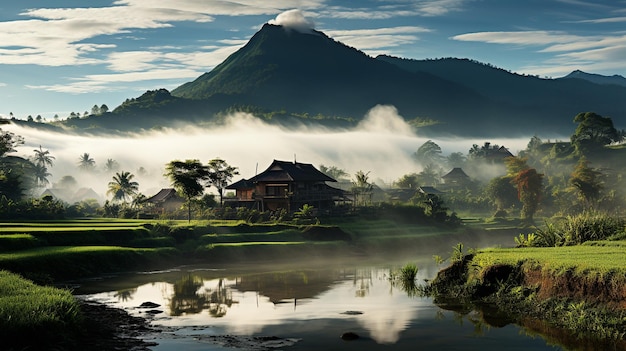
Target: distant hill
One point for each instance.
(597, 78)
(545, 104)
(287, 77)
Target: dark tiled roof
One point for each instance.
(429, 190)
(456, 172)
(241, 184)
(284, 171)
(163, 195)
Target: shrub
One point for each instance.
(589, 226)
(577, 229)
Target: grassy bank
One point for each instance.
(581, 289)
(35, 316)
(49, 252)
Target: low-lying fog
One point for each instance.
(381, 144)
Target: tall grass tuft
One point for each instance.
(590, 226)
(575, 230)
(408, 273)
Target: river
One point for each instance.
(302, 306)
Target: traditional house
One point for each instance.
(286, 185)
(166, 200)
(455, 178)
(497, 155)
(429, 190)
(71, 196)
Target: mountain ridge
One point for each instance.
(311, 78)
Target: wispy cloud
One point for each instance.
(439, 7)
(402, 8)
(605, 20)
(96, 83)
(591, 53)
(379, 38)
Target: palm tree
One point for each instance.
(122, 186)
(86, 163)
(43, 158)
(111, 166)
(40, 172)
(362, 188)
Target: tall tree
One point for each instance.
(514, 165)
(220, 174)
(501, 192)
(40, 173)
(86, 163)
(188, 178)
(334, 172)
(593, 132)
(456, 159)
(9, 142)
(428, 153)
(43, 158)
(95, 110)
(123, 186)
(111, 166)
(430, 175)
(67, 182)
(408, 181)
(362, 188)
(587, 181)
(529, 185)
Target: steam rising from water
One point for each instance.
(382, 144)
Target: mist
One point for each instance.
(382, 144)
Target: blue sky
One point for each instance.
(62, 56)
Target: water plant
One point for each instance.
(407, 273)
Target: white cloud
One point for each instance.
(368, 39)
(424, 8)
(519, 37)
(439, 7)
(293, 19)
(605, 20)
(591, 53)
(114, 82)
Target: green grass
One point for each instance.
(599, 257)
(60, 263)
(30, 313)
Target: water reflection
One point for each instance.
(191, 296)
(316, 305)
(125, 294)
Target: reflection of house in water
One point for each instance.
(166, 200)
(286, 185)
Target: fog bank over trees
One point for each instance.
(382, 144)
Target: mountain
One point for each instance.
(546, 105)
(597, 78)
(287, 77)
(311, 73)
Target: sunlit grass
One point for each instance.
(599, 258)
(38, 309)
(259, 243)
